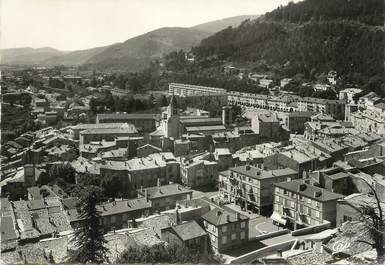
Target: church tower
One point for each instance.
(171, 119)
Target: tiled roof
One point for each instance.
(219, 216)
(7, 228)
(86, 126)
(124, 116)
(309, 191)
(113, 208)
(257, 173)
(205, 128)
(189, 230)
(164, 191)
(122, 130)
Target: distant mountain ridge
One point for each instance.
(133, 55)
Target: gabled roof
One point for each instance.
(309, 191)
(189, 230)
(220, 216)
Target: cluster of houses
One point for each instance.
(279, 183)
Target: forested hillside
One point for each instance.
(310, 38)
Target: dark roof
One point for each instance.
(220, 216)
(189, 230)
(309, 191)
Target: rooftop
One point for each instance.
(86, 126)
(125, 116)
(257, 173)
(309, 191)
(188, 230)
(164, 191)
(220, 216)
(131, 129)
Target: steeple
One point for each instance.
(173, 107)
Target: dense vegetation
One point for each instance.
(365, 11)
(311, 37)
(16, 121)
(164, 254)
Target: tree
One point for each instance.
(89, 238)
(62, 171)
(372, 216)
(162, 101)
(164, 254)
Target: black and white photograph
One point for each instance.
(192, 132)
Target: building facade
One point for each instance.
(298, 204)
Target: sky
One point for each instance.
(82, 24)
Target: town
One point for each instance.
(252, 178)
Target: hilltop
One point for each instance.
(310, 37)
(134, 54)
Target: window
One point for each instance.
(224, 229)
(318, 204)
(233, 236)
(317, 214)
(243, 224)
(214, 229)
(308, 200)
(224, 239)
(213, 238)
(277, 198)
(243, 234)
(285, 192)
(347, 218)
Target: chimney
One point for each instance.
(219, 213)
(158, 182)
(247, 167)
(141, 188)
(302, 187)
(146, 194)
(279, 253)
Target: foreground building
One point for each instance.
(298, 204)
(189, 235)
(226, 229)
(252, 188)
